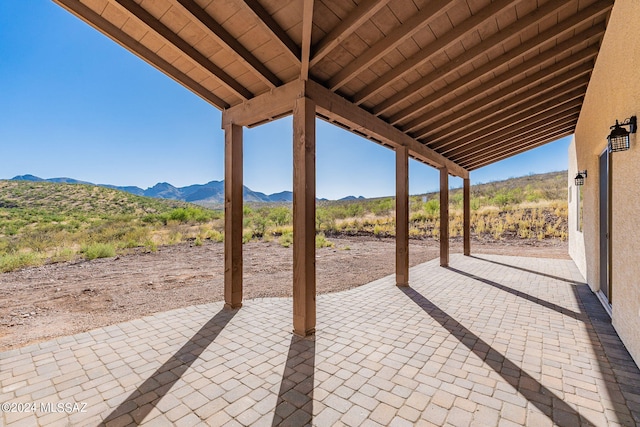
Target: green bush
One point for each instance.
(280, 216)
(99, 250)
(11, 262)
(286, 239)
(322, 242)
(190, 214)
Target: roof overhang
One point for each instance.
(462, 84)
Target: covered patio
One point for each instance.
(490, 340)
(455, 85)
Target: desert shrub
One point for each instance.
(63, 255)
(280, 216)
(99, 250)
(322, 242)
(432, 208)
(189, 214)
(382, 206)
(11, 262)
(286, 240)
(326, 219)
(247, 236)
(215, 235)
(150, 245)
(259, 222)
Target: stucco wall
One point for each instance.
(614, 93)
(576, 238)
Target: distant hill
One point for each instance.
(209, 193)
(61, 198)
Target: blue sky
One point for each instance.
(74, 103)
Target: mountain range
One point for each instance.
(211, 192)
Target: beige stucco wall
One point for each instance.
(614, 93)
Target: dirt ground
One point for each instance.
(54, 300)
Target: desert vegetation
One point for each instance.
(43, 222)
(46, 222)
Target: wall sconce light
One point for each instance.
(619, 137)
(581, 175)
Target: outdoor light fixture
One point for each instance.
(580, 177)
(619, 137)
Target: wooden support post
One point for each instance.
(402, 216)
(304, 217)
(467, 216)
(444, 217)
(232, 216)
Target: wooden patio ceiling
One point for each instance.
(472, 81)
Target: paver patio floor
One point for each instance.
(492, 340)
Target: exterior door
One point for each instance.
(605, 234)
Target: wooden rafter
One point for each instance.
(210, 26)
(128, 42)
(524, 118)
(520, 146)
(464, 113)
(573, 93)
(346, 27)
(492, 67)
(473, 103)
(307, 24)
(414, 24)
(517, 131)
(290, 47)
(510, 32)
(432, 49)
(529, 146)
(141, 14)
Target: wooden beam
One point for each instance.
(444, 217)
(363, 12)
(431, 11)
(570, 94)
(514, 30)
(164, 32)
(402, 216)
(434, 48)
(232, 216)
(276, 103)
(508, 74)
(466, 215)
(289, 46)
(531, 85)
(465, 119)
(304, 217)
(123, 39)
(334, 106)
(307, 25)
(210, 26)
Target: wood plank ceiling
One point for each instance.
(475, 80)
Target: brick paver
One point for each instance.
(491, 341)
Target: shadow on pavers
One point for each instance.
(295, 398)
(553, 407)
(142, 400)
